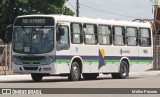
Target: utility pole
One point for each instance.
(77, 10)
(155, 38)
(156, 29)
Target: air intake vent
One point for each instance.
(30, 68)
(31, 57)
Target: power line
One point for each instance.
(109, 12)
(71, 5)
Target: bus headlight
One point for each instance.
(47, 60)
(16, 61)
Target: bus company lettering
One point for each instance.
(124, 51)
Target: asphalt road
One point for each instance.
(136, 80)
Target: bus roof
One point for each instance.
(66, 18)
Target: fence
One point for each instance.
(156, 53)
(5, 59)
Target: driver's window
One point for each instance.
(63, 37)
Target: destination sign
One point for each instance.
(34, 21)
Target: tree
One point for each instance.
(10, 9)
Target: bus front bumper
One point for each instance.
(25, 69)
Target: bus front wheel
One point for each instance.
(124, 71)
(36, 77)
(75, 73)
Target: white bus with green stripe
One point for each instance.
(50, 45)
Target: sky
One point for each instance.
(130, 8)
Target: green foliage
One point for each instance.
(10, 9)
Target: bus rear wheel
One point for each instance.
(75, 73)
(90, 76)
(124, 71)
(36, 77)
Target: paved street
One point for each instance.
(136, 80)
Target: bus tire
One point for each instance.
(124, 71)
(90, 76)
(75, 73)
(36, 77)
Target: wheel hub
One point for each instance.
(124, 71)
(76, 72)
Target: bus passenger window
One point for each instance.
(144, 37)
(104, 35)
(119, 36)
(131, 36)
(76, 33)
(90, 34)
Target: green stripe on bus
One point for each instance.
(98, 60)
(112, 60)
(90, 60)
(134, 60)
(145, 61)
(63, 60)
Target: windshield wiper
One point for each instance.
(24, 29)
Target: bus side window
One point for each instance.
(131, 36)
(119, 35)
(104, 35)
(76, 33)
(90, 34)
(144, 37)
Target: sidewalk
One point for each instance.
(145, 73)
(14, 77)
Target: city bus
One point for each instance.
(51, 45)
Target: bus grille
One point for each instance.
(31, 57)
(29, 62)
(30, 68)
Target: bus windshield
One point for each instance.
(33, 40)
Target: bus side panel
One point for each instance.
(145, 58)
(134, 59)
(115, 54)
(89, 55)
(109, 53)
(63, 60)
